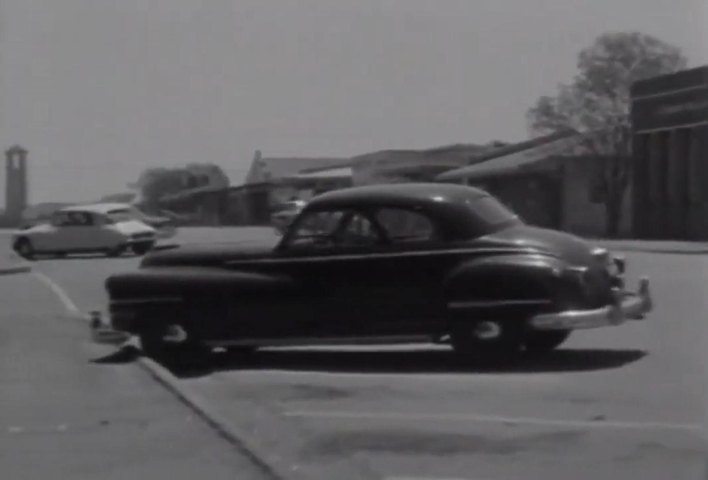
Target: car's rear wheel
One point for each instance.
(544, 342)
(142, 248)
(171, 353)
(116, 251)
(486, 340)
(24, 248)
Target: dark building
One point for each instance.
(670, 150)
(15, 187)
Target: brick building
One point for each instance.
(670, 150)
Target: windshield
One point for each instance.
(116, 216)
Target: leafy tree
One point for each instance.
(155, 184)
(596, 105)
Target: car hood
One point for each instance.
(571, 248)
(198, 254)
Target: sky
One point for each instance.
(98, 90)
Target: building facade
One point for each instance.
(549, 181)
(670, 156)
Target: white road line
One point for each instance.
(475, 418)
(432, 478)
(59, 292)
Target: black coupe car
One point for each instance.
(381, 264)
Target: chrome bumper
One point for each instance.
(626, 306)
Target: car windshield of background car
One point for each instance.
(116, 216)
(405, 226)
(491, 211)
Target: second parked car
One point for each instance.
(101, 228)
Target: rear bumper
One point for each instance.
(125, 314)
(626, 306)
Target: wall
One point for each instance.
(670, 149)
(581, 214)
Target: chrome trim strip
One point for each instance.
(321, 341)
(627, 306)
(496, 303)
(144, 301)
(411, 253)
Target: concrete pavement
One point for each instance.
(625, 402)
(70, 409)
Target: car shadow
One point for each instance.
(409, 362)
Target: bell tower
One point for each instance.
(16, 183)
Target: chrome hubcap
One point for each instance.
(487, 330)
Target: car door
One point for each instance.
(407, 274)
(327, 261)
(82, 234)
(57, 238)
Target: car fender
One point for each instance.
(188, 281)
(504, 281)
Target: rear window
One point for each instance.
(491, 211)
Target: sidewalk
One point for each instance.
(655, 246)
(73, 410)
(10, 262)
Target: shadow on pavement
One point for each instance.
(126, 354)
(415, 362)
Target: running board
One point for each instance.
(321, 341)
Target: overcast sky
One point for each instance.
(97, 90)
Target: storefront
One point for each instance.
(670, 154)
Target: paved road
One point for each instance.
(71, 410)
(618, 403)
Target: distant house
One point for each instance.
(272, 181)
(550, 181)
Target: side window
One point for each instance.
(80, 219)
(402, 225)
(62, 219)
(89, 220)
(357, 231)
(336, 228)
(315, 229)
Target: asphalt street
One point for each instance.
(618, 403)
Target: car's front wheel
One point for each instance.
(486, 339)
(24, 248)
(544, 342)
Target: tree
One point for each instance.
(596, 105)
(155, 184)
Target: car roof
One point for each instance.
(402, 194)
(447, 203)
(100, 208)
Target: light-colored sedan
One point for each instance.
(100, 228)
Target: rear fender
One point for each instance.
(511, 284)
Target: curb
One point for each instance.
(14, 270)
(273, 469)
(658, 250)
(273, 461)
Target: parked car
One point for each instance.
(100, 228)
(285, 214)
(381, 264)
